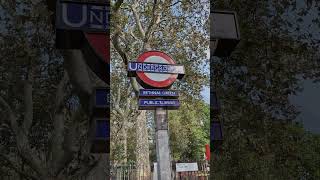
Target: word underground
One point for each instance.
(155, 68)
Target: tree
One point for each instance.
(189, 130)
(123, 116)
(44, 100)
(170, 26)
(262, 140)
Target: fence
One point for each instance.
(131, 172)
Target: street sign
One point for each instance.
(149, 104)
(101, 136)
(214, 103)
(224, 32)
(100, 102)
(186, 167)
(99, 120)
(216, 135)
(224, 25)
(155, 69)
(158, 93)
(102, 129)
(101, 98)
(82, 17)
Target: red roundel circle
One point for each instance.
(156, 80)
(100, 42)
(96, 51)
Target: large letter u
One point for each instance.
(66, 19)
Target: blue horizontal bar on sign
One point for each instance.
(216, 131)
(102, 97)
(158, 93)
(155, 68)
(102, 129)
(149, 104)
(83, 17)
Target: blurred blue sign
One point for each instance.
(102, 97)
(158, 93)
(146, 104)
(84, 17)
(216, 131)
(102, 129)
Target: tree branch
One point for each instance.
(85, 169)
(124, 56)
(116, 45)
(56, 151)
(69, 144)
(155, 20)
(137, 19)
(16, 168)
(28, 103)
(79, 77)
(29, 155)
(12, 118)
(24, 150)
(117, 6)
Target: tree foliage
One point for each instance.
(44, 115)
(189, 131)
(179, 28)
(262, 140)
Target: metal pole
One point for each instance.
(162, 144)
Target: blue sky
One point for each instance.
(308, 102)
(206, 89)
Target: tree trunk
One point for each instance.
(102, 170)
(79, 77)
(142, 147)
(124, 140)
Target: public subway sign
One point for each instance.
(155, 70)
(151, 104)
(158, 93)
(83, 17)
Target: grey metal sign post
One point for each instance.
(157, 71)
(162, 144)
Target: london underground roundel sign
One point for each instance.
(155, 69)
(156, 80)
